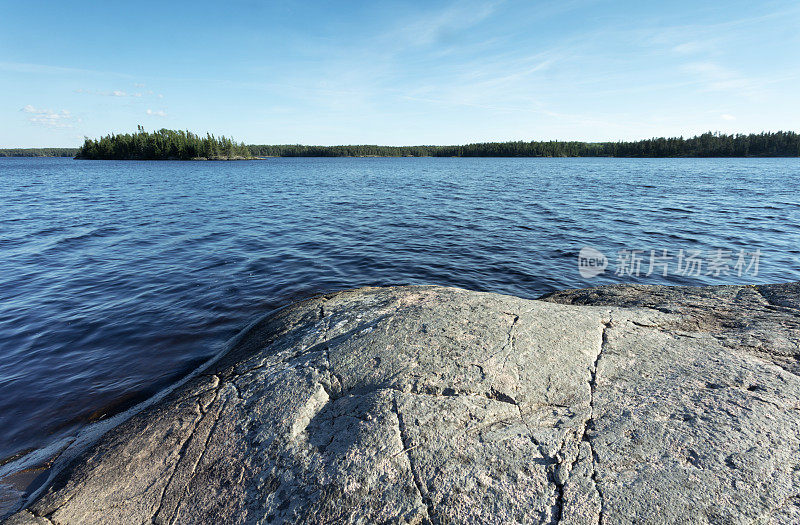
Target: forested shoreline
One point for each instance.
(38, 152)
(778, 144)
(184, 145)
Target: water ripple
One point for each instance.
(119, 277)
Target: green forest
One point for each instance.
(778, 144)
(38, 152)
(163, 144)
(167, 144)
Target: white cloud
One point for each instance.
(49, 118)
(157, 113)
(118, 94)
(726, 116)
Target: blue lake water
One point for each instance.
(118, 277)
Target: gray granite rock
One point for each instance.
(425, 404)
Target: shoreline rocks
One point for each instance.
(423, 404)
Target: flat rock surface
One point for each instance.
(623, 404)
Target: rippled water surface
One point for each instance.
(118, 277)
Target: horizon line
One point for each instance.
(610, 141)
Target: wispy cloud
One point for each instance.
(49, 118)
(157, 113)
(692, 47)
(440, 27)
(115, 93)
(18, 67)
(694, 38)
(715, 77)
(726, 116)
(46, 69)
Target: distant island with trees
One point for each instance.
(167, 144)
(164, 144)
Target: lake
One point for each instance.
(117, 278)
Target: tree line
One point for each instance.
(184, 145)
(777, 144)
(38, 152)
(164, 144)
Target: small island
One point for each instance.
(164, 144)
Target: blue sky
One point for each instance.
(433, 72)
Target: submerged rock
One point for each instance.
(429, 404)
